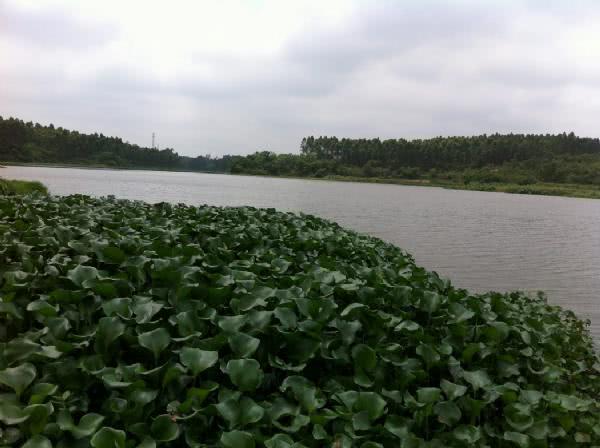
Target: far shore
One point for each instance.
(545, 189)
(101, 167)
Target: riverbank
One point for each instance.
(539, 188)
(105, 167)
(12, 187)
(545, 189)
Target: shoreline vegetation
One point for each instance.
(544, 189)
(557, 165)
(136, 324)
(20, 187)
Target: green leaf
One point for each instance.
(364, 357)
(572, 403)
(10, 309)
(147, 442)
(539, 430)
(198, 360)
(237, 439)
(11, 414)
(350, 308)
(467, 434)
(479, 379)
(38, 416)
(18, 378)
(370, 402)
(399, 426)
(15, 278)
(287, 317)
(407, 325)
(232, 323)
(496, 331)
(145, 309)
(304, 392)
(246, 374)
(280, 441)
(428, 394)
(519, 416)
(448, 412)
(280, 265)
(260, 320)
(429, 354)
(521, 440)
(39, 392)
(88, 424)
(155, 341)
(240, 413)
(459, 313)
(263, 292)
(118, 305)
(112, 254)
(452, 390)
(109, 330)
(361, 421)
(19, 349)
(430, 301)
(108, 438)
(243, 345)
(43, 308)
(164, 429)
(81, 273)
(531, 396)
(319, 432)
(37, 441)
(143, 396)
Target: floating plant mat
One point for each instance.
(126, 324)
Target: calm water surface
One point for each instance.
(479, 240)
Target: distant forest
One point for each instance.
(513, 158)
(26, 142)
(485, 159)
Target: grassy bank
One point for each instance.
(12, 187)
(128, 324)
(546, 189)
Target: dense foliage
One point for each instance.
(126, 324)
(28, 142)
(449, 152)
(514, 158)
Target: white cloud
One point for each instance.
(237, 76)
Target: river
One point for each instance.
(480, 240)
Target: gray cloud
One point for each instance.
(53, 28)
(389, 70)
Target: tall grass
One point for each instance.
(11, 187)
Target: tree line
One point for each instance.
(448, 152)
(509, 158)
(27, 142)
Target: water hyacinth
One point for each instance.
(126, 324)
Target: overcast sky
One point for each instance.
(234, 77)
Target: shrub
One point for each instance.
(11, 187)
